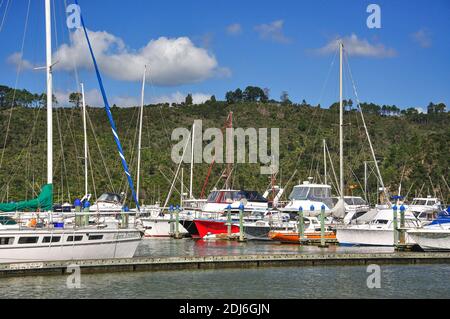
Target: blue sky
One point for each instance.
(281, 45)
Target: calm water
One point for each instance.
(419, 281)
(188, 247)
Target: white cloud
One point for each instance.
(234, 29)
(272, 31)
(421, 110)
(16, 59)
(358, 47)
(422, 37)
(178, 97)
(172, 61)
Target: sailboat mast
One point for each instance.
(85, 141)
(325, 161)
(192, 161)
(341, 123)
(230, 156)
(140, 136)
(48, 40)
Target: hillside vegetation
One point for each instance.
(411, 147)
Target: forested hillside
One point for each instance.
(411, 147)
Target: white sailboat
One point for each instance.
(311, 197)
(55, 241)
(380, 230)
(151, 220)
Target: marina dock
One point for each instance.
(220, 262)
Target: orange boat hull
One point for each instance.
(293, 237)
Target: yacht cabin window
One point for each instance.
(77, 238)
(6, 241)
(49, 239)
(381, 221)
(299, 193)
(28, 240)
(305, 192)
(95, 237)
(355, 201)
(108, 197)
(422, 202)
(213, 197)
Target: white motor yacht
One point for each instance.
(378, 232)
(52, 244)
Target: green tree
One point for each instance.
(284, 98)
(75, 98)
(440, 108)
(229, 97)
(189, 100)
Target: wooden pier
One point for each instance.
(220, 262)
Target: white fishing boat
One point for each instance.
(355, 208)
(219, 200)
(425, 208)
(308, 195)
(436, 235)
(378, 232)
(431, 239)
(155, 224)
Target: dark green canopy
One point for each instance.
(44, 202)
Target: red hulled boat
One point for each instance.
(213, 227)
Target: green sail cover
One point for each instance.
(44, 202)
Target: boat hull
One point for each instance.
(213, 227)
(257, 232)
(368, 237)
(293, 237)
(113, 245)
(191, 228)
(155, 228)
(436, 240)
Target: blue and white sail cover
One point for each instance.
(110, 117)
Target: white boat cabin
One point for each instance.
(307, 195)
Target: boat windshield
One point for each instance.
(233, 196)
(422, 202)
(251, 196)
(311, 193)
(380, 221)
(213, 197)
(355, 201)
(299, 193)
(108, 197)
